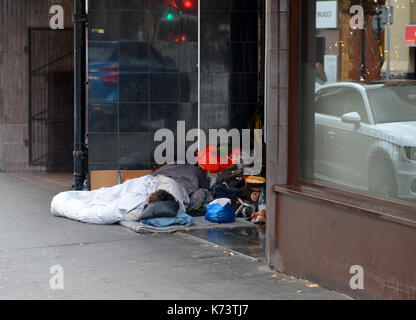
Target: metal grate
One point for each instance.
(51, 98)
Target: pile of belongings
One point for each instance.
(229, 182)
(197, 191)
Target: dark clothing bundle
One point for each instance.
(161, 209)
(195, 183)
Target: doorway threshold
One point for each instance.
(248, 241)
(240, 237)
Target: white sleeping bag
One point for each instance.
(108, 205)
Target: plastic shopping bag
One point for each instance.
(216, 213)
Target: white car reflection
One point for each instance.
(365, 137)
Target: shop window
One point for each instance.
(358, 97)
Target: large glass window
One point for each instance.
(358, 100)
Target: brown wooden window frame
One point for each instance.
(396, 212)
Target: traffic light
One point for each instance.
(187, 4)
(170, 16)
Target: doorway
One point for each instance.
(155, 63)
(51, 99)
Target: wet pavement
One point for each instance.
(111, 262)
(249, 241)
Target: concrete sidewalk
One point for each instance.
(111, 262)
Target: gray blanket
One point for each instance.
(191, 178)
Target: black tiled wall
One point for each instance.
(143, 57)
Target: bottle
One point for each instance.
(85, 185)
(261, 204)
(119, 177)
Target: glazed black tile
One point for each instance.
(102, 5)
(164, 87)
(244, 26)
(244, 88)
(215, 5)
(103, 147)
(102, 54)
(189, 87)
(188, 112)
(215, 26)
(134, 87)
(134, 117)
(189, 27)
(214, 116)
(92, 166)
(240, 114)
(215, 57)
(189, 57)
(164, 56)
(134, 151)
(163, 116)
(134, 26)
(163, 152)
(244, 57)
(102, 117)
(103, 86)
(173, 56)
(167, 152)
(244, 5)
(134, 5)
(163, 5)
(103, 26)
(215, 87)
(134, 57)
(164, 25)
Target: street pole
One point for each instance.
(80, 19)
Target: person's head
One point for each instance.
(160, 195)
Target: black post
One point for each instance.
(80, 151)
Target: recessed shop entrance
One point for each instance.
(154, 63)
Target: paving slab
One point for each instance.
(112, 262)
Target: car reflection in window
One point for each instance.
(105, 71)
(365, 137)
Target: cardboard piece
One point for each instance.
(108, 178)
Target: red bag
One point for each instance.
(217, 163)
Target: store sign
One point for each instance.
(411, 36)
(331, 68)
(327, 14)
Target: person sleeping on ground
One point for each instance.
(160, 204)
(112, 205)
(109, 205)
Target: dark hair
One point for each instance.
(161, 195)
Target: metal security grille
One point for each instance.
(51, 99)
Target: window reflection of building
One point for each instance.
(402, 57)
(350, 139)
(363, 54)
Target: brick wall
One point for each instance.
(16, 17)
